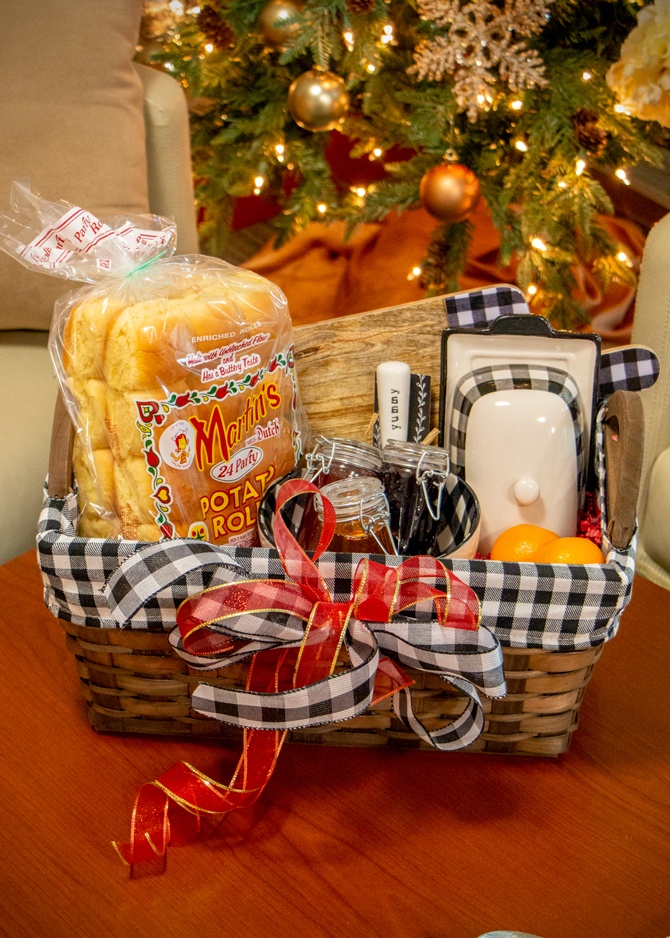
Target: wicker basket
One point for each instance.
(133, 681)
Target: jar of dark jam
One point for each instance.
(333, 458)
(414, 478)
(362, 516)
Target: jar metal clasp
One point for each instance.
(319, 463)
(371, 520)
(423, 478)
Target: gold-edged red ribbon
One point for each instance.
(168, 810)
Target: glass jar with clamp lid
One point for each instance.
(415, 477)
(362, 516)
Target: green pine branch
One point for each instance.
(241, 129)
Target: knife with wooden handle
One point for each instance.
(624, 443)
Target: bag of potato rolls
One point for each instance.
(178, 374)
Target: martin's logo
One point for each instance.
(215, 440)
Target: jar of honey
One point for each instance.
(362, 516)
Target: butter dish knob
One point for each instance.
(526, 491)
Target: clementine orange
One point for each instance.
(569, 550)
(520, 542)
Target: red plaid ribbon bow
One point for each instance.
(236, 619)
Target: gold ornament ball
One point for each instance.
(274, 18)
(449, 192)
(318, 100)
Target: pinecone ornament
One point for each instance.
(588, 133)
(215, 29)
(360, 7)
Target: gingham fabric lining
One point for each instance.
(632, 368)
(463, 516)
(489, 379)
(479, 308)
(552, 606)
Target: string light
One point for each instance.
(279, 150)
(562, 184)
(623, 257)
(414, 273)
(322, 208)
(177, 7)
(586, 76)
(348, 37)
(388, 34)
(359, 192)
(258, 184)
(516, 105)
(532, 289)
(538, 244)
(209, 47)
(370, 67)
(580, 166)
(377, 152)
(521, 145)
(621, 174)
(621, 109)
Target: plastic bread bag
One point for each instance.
(178, 373)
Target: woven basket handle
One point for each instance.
(60, 457)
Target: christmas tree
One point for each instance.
(507, 100)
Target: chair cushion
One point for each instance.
(654, 522)
(72, 123)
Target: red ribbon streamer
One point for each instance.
(168, 810)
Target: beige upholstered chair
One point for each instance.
(652, 328)
(89, 126)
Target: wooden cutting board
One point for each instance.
(336, 361)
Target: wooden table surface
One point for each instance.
(343, 842)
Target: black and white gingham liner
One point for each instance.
(460, 507)
(632, 368)
(479, 308)
(76, 570)
(552, 606)
(488, 379)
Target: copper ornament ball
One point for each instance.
(318, 100)
(274, 21)
(449, 192)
